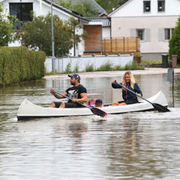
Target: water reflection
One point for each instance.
(127, 146)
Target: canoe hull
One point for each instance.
(28, 110)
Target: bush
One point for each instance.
(76, 68)
(19, 64)
(133, 66)
(105, 67)
(117, 68)
(152, 61)
(68, 68)
(89, 68)
(130, 66)
(174, 42)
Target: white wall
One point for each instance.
(131, 16)
(106, 32)
(121, 27)
(135, 8)
(82, 62)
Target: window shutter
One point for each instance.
(161, 34)
(147, 35)
(133, 33)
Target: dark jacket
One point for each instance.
(127, 95)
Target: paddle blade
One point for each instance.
(98, 112)
(160, 107)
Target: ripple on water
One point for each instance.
(142, 145)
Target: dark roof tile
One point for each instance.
(105, 21)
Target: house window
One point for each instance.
(161, 5)
(168, 33)
(21, 11)
(140, 33)
(147, 6)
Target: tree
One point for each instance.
(6, 27)
(36, 34)
(66, 4)
(83, 8)
(108, 5)
(76, 26)
(174, 42)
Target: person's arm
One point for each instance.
(83, 98)
(115, 85)
(138, 90)
(58, 96)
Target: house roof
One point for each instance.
(117, 9)
(67, 11)
(106, 22)
(93, 3)
(63, 9)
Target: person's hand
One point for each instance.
(74, 100)
(52, 91)
(114, 82)
(139, 95)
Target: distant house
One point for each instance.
(22, 8)
(152, 20)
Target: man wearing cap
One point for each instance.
(77, 93)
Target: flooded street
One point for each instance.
(143, 145)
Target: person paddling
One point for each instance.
(77, 93)
(128, 82)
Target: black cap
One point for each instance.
(98, 101)
(75, 75)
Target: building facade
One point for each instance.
(22, 10)
(152, 20)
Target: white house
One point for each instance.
(152, 20)
(96, 28)
(22, 8)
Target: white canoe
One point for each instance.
(28, 110)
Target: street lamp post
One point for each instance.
(52, 39)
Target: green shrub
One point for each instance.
(174, 42)
(19, 64)
(68, 68)
(76, 68)
(51, 73)
(117, 68)
(133, 66)
(152, 62)
(105, 67)
(89, 68)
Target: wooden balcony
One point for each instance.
(123, 45)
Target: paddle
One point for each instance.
(95, 110)
(155, 105)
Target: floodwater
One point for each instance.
(127, 146)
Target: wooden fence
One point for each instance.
(122, 45)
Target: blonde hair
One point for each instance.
(132, 80)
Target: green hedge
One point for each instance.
(19, 64)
